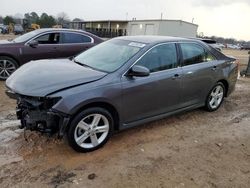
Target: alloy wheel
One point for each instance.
(7, 67)
(216, 96)
(91, 131)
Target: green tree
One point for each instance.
(46, 21)
(32, 18)
(8, 19)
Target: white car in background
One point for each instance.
(232, 46)
(221, 45)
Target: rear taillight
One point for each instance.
(237, 62)
(237, 70)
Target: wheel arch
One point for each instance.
(107, 106)
(226, 85)
(11, 56)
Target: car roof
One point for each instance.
(58, 29)
(152, 40)
(43, 30)
(155, 39)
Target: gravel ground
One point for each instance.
(192, 149)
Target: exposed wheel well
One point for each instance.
(225, 83)
(111, 109)
(10, 56)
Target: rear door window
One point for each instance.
(75, 38)
(193, 54)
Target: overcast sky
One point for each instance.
(226, 18)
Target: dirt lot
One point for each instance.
(193, 149)
(240, 55)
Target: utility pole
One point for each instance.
(247, 71)
(248, 66)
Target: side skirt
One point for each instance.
(158, 117)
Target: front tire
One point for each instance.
(90, 129)
(7, 66)
(215, 97)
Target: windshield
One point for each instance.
(26, 36)
(110, 55)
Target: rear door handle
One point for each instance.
(176, 76)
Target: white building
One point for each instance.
(176, 28)
(114, 28)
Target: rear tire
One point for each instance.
(90, 129)
(7, 66)
(215, 97)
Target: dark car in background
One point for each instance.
(245, 46)
(3, 29)
(43, 44)
(119, 84)
(18, 29)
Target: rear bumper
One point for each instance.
(232, 80)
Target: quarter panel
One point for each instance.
(196, 83)
(227, 70)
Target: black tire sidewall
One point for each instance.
(78, 118)
(208, 107)
(10, 59)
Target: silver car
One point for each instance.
(119, 84)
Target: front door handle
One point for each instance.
(176, 76)
(214, 68)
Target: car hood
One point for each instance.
(3, 42)
(40, 78)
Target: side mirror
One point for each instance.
(138, 71)
(72, 57)
(33, 43)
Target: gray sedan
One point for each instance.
(119, 84)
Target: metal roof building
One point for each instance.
(113, 28)
(176, 28)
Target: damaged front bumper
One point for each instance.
(37, 114)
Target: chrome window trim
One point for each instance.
(49, 32)
(205, 62)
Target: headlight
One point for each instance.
(42, 103)
(50, 102)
